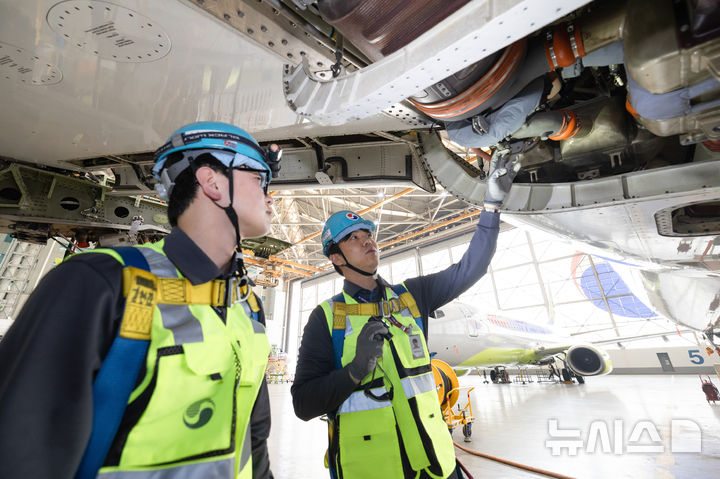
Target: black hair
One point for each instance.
(186, 185)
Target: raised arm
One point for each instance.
(434, 290)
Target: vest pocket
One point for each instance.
(368, 444)
(190, 412)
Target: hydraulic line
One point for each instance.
(514, 464)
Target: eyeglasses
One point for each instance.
(264, 177)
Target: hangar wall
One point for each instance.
(682, 359)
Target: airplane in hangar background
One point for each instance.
(465, 338)
(612, 108)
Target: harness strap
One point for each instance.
(342, 310)
(180, 291)
(119, 371)
(338, 332)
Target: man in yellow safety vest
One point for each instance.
(364, 359)
(180, 311)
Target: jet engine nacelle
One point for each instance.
(588, 360)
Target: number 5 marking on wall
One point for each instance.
(695, 356)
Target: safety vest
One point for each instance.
(366, 433)
(189, 414)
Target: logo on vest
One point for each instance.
(199, 413)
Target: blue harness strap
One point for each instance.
(113, 385)
(338, 335)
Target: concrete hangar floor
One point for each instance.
(619, 426)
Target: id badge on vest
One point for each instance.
(416, 346)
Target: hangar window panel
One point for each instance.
(547, 248)
(512, 256)
(512, 249)
(309, 297)
(630, 306)
(484, 284)
(403, 269)
(339, 281)
(435, 261)
(482, 298)
(384, 272)
(560, 286)
(513, 238)
(325, 290)
(578, 274)
(531, 314)
(517, 276)
(520, 296)
(620, 298)
(560, 268)
(576, 317)
(638, 327)
(457, 252)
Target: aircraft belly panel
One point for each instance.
(103, 105)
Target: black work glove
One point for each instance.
(367, 349)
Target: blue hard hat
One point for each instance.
(341, 224)
(230, 145)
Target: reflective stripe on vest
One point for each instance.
(418, 384)
(177, 318)
(222, 468)
(189, 416)
(246, 452)
(358, 401)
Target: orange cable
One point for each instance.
(513, 464)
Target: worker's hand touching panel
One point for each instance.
(500, 177)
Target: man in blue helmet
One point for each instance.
(364, 360)
(196, 405)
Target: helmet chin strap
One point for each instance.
(237, 273)
(357, 270)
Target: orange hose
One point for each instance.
(482, 90)
(562, 47)
(630, 108)
(514, 464)
(569, 128)
(579, 42)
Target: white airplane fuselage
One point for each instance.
(464, 337)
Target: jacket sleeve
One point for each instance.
(48, 361)
(318, 387)
(260, 425)
(435, 290)
(259, 433)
